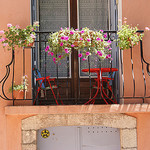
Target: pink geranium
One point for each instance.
(82, 31)
(98, 39)
(66, 38)
(88, 39)
(9, 25)
(71, 32)
(72, 45)
(62, 38)
(54, 59)
(52, 53)
(2, 32)
(87, 53)
(66, 50)
(81, 39)
(61, 44)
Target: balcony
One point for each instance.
(70, 84)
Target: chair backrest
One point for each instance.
(37, 74)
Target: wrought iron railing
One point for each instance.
(62, 92)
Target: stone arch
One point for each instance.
(126, 124)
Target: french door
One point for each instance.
(54, 14)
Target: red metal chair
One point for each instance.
(42, 87)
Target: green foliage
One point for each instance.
(128, 36)
(15, 36)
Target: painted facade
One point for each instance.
(12, 117)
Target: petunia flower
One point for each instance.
(9, 25)
(61, 28)
(62, 38)
(87, 53)
(82, 31)
(81, 39)
(61, 44)
(110, 48)
(33, 36)
(80, 55)
(59, 56)
(101, 31)
(88, 39)
(99, 53)
(105, 35)
(72, 45)
(52, 53)
(66, 50)
(5, 44)
(49, 53)
(47, 48)
(101, 40)
(66, 38)
(2, 32)
(109, 41)
(54, 59)
(83, 59)
(98, 39)
(71, 32)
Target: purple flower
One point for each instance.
(84, 59)
(66, 50)
(59, 56)
(2, 32)
(80, 55)
(9, 25)
(71, 32)
(47, 48)
(61, 44)
(81, 39)
(109, 41)
(89, 40)
(99, 53)
(5, 44)
(82, 31)
(66, 38)
(52, 53)
(98, 39)
(72, 45)
(54, 59)
(87, 53)
(101, 31)
(62, 38)
(105, 35)
(33, 36)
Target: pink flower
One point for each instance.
(61, 44)
(99, 53)
(66, 38)
(2, 32)
(62, 38)
(82, 31)
(89, 40)
(61, 28)
(109, 41)
(71, 32)
(33, 36)
(49, 53)
(5, 44)
(110, 48)
(109, 55)
(59, 56)
(66, 50)
(72, 45)
(17, 27)
(67, 28)
(2, 39)
(98, 39)
(147, 28)
(87, 53)
(47, 48)
(80, 55)
(101, 31)
(52, 53)
(101, 40)
(76, 29)
(81, 39)
(9, 25)
(84, 59)
(54, 59)
(105, 35)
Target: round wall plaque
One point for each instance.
(45, 133)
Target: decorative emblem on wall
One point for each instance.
(45, 133)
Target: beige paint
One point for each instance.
(18, 12)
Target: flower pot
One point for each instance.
(18, 94)
(30, 44)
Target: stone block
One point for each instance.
(28, 136)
